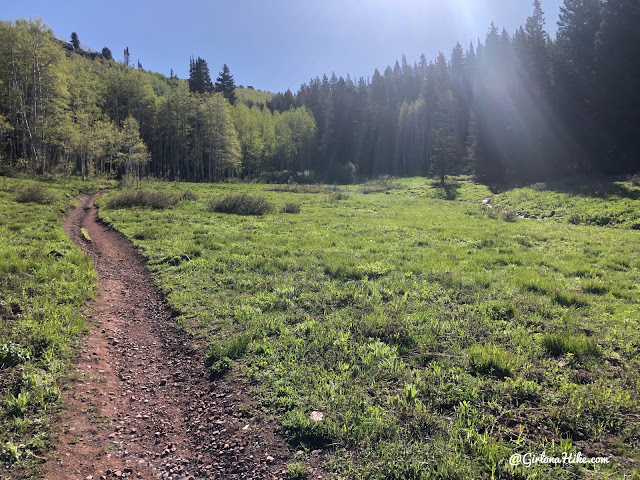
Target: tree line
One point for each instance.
(64, 109)
(512, 108)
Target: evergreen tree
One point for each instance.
(106, 53)
(199, 76)
(226, 85)
(618, 76)
(75, 41)
(127, 56)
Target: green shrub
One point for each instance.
(491, 360)
(34, 193)
(296, 470)
(557, 344)
(241, 205)
(220, 355)
(143, 198)
(291, 207)
(12, 354)
(187, 195)
(508, 215)
(337, 196)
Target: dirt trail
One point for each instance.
(139, 403)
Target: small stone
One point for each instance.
(270, 459)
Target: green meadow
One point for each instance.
(410, 331)
(44, 285)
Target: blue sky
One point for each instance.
(277, 44)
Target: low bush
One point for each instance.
(187, 195)
(337, 196)
(241, 205)
(291, 208)
(143, 198)
(34, 193)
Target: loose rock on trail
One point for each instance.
(139, 403)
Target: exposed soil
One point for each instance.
(139, 403)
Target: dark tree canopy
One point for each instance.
(106, 53)
(75, 41)
(226, 85)
(199, 77)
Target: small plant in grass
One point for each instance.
(12, 354)
(296, 470)
(16, 406)
(508, 215)
(241, 204)
(143, 198)
(491, 360)
(85, 234)
(291, 207)
(557, 344)
(337, 196)
(220, 355)
(34, 193)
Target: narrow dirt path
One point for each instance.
(139, 403)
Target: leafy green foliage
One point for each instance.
(490, 360)
(12, 354)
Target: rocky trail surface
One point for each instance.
(139, 403)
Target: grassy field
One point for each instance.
(411, 331)
(44, 284)
(610, 204)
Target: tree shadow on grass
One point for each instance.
(450, 191)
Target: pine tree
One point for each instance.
(226, 85)
(127, 56)
(106, 53)
(199, 77)
(75, 41)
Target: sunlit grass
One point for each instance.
(434, 339)
(44, 284)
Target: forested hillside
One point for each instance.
(515, 107)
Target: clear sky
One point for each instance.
(277, 44)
